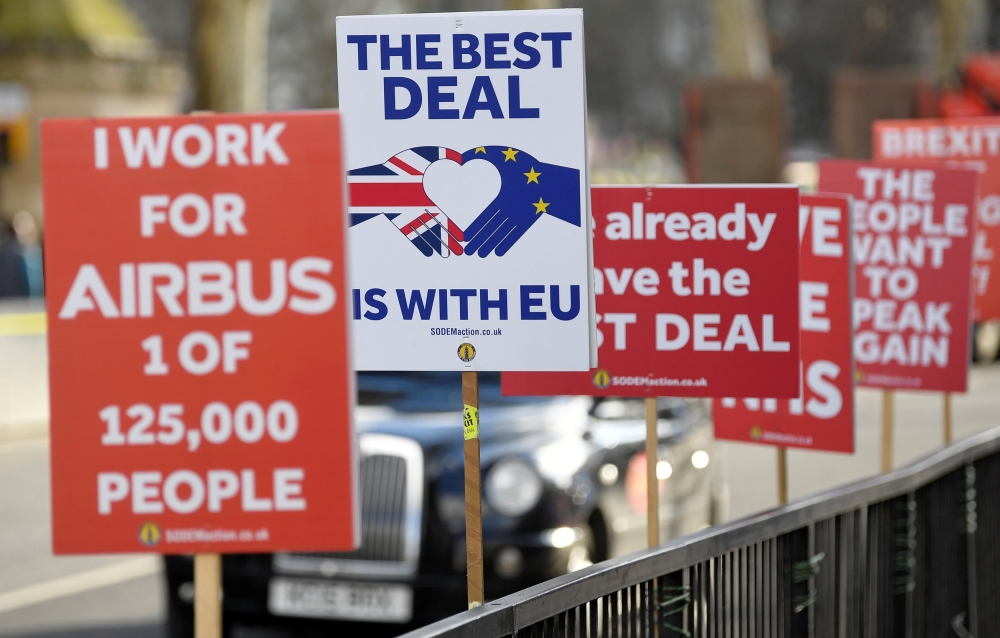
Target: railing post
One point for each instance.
(674, 597)
(911, 554)
(891, 542)
(941, 596)
(794, 596)
(906, 558)
(971, 524)
(983, 529)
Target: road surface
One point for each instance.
(750, 470)
(123, 596)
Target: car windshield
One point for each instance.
(620, 409)
(430, 391)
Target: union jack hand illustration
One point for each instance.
(528, 189)
(395, 189)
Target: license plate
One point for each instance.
(374, 602)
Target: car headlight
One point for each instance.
(700, 459)
(512, 487)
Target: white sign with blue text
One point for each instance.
(470, 244)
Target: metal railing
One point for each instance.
(915, 552)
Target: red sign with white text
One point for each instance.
(960, 139)
(697, 293)
(201, 389)
(822, 418)
(913, 232)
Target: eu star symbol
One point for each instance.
(532, 175)
(540, 206)
(481, 149)
(509, 154)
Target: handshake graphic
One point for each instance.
(477, 202)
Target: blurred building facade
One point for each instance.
(114, 57)
(77, 58)
(641, 54)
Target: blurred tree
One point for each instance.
(740, 39)
(231, 61)
(736, 125)
(992, 21)
(963, 30)
(811, 39)
(103, 28)
(639, 55)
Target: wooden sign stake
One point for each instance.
(887, 400)
(207, 596)
(782, 475)
(652, 483)
(473, 504)
(947, 418)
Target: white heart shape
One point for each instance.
(462, 191)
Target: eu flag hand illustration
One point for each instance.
(529, 190)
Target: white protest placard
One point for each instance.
(468, 190)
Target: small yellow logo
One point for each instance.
(859, 376)
(149, 534)
(756, 433)
(466, 352)
(601, 379)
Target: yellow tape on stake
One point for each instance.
(471, 421)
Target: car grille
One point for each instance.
(383, 509)
(391, 486)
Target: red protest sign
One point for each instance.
(913, 230)
(696, 288)
(960, 139)
(822, 417)
(200, 382)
